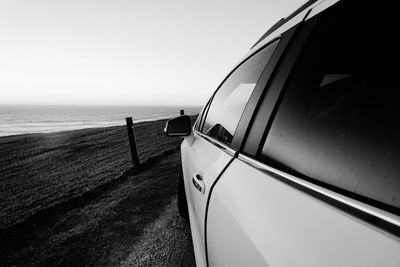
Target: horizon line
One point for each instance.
(122, 105)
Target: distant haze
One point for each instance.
(121, 52)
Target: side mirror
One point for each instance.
(179, 126)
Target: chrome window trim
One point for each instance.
(381, 214)
(217, 143)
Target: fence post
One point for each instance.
(132, 141)
(182, 112)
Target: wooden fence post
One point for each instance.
(182, 112)
(132, 141)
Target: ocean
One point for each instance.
(45, 119)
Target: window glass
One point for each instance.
(338, 120)
(231, 98)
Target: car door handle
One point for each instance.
(198, 182)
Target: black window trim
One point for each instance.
(258, 125)
(259, 92)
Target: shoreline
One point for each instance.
(20, 119)
(139, 121)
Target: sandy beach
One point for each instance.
(74, 197)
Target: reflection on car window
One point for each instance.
(231, 98)
(338, 120)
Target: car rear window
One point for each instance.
(338, 122)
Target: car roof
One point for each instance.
(284, 20)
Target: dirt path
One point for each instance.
(165, 242)
(134, 223)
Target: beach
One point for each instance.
(76, 191)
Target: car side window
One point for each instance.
(231, 98)
(338, 120)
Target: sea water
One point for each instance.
(44, 119)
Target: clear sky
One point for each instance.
(161, 52)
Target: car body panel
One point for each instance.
(257, 220)
(200, 157)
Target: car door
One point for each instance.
(209, 152)
(321, 185)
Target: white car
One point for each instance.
(295, 159)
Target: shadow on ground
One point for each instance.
(134, 222)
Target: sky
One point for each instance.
(120, 52)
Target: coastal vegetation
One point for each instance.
(39, 171)
(74, 198)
